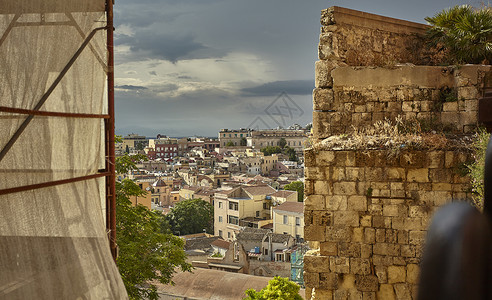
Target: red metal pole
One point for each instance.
(110, 137)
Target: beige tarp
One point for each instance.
(53, 243)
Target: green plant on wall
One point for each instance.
(463, 32)
(476, 167)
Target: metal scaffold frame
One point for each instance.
(41, 8)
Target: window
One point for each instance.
(234, 206)
(220, 233)
(286, 220)
(220, 219)
(298, 221)
(257, 213)
(228, 234)
(265, 251)
(265, 205)
(232, 220)
(220, 204)
(278, 257)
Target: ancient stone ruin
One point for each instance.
(390, 136)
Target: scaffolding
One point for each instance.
(57, 172)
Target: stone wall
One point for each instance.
(440, 97)
(367, 212)
(362, 39)
(367, 208)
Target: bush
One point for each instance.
(464, 33)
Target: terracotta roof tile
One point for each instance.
(296, 207)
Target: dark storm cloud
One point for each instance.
(155, 45)
(291, 87)
(130, 87)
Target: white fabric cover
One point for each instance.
(53, 243)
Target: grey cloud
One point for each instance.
(160, 46)
(130, 87)
(292, 87)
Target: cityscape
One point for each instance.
(193, 150)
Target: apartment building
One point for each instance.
(242, 206)
(235, 137)
(288, 218)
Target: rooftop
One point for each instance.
(297, 207)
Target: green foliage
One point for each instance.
(216, 254)
(296, 186)
(282, 142)
(147, 249)
(269, 150)
(278, 288)
(191, 216)
(465, 33)
(230, 144)
(476, 167)
(243, 142)
(291, 153)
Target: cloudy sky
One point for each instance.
(192, 67)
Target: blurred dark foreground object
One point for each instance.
(457, 260)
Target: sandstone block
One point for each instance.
(365, 251)
(366, 221)
(386, 292)
(402, 291)
(386, 249)
(315, 233)
(315, 202)
(323, 68)
(336, 202)
(413, 273)
(337, 234)
(311, 279)
(308, 187)
(369, 235)
(325, 158)
(328, 281)
(314, 173)
(323, 99)
(316, 264)
(328, 248)
(358, 235)
(310, 157)
(357, 203)
(368, 296)
(396, 274)
(402, 237)
(344, 188)
(435, 159)
(346, 218)
(380, 235)
(321, 187)
(349, 249)
(340, 265)
(382, 260)
(450, 106)
(390, 210)
(367, 283)
(407, 250)
(381, 274)
(418, 175)
(416, 237)
(360, 266)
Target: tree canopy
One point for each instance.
(147, 249)
(269, 150)
(296, 186)
(191, 216)
(464, 32)
(278, 288)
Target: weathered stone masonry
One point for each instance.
(367, 210)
